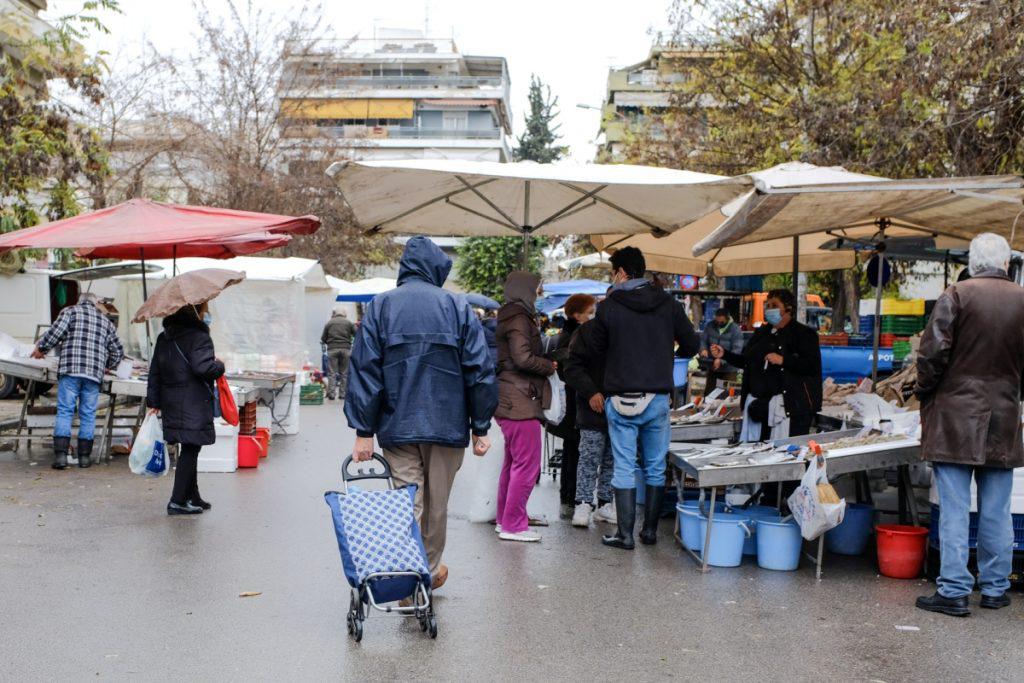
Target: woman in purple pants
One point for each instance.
(522, 396)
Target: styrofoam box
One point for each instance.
(1016, 496)
(222, 456)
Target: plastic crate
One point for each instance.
(900, 350)
(311, 395)
(860, 340)
(972, 535)
(897, 307)
(833, 340)
(894, 324)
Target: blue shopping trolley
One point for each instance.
(381, 548)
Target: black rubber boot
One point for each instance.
(625, 511)
(652, 513)
(61, 444)
(84, 452)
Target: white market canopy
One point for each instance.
(449, 197)
(952, 207)
(292, 268)
(362, 291)
(675, 253)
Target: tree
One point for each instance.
(45, 154)
(537, 143)
(897, 89)
(215, 133)
(485, 262)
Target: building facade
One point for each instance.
(398, 95)
(638, 94)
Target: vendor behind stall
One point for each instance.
(724, 332)
(89, 346)
(781, 363)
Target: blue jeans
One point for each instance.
(995, 529)
(651, 429)
(72, 391)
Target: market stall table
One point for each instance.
(694, 432)
(267, 385)
(692, 460)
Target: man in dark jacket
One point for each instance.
(337, 339)
(721, 331)
(970, 368)
(635, 331)
(421, 380)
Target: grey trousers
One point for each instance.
(337, 361)
(432, 468)
(594, 468)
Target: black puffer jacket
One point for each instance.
(584, 372)
(181, 377)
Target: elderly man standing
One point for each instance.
(969, 375)
(421, 379)
(337, 338)
(89, 346)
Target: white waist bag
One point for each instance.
(631, 405)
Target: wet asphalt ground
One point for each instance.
(96, 582)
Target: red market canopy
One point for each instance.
(153, 230)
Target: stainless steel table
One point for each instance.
(729, 429)
(269, 386)
(709, 476)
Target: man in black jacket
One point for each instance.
(635, 331)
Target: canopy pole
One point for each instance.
(145, 295)
(882, 223)
(945, 270)
(526, 225)
(174, 260)
(796, 278)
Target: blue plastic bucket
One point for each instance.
(689, 523)
(728, 534)
(851, 537)
(778, 544)
(756, 512)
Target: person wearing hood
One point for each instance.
(635, 331)
(180, 389)
(523, 394)
(722, 331)
(781, 363)
(421, 381)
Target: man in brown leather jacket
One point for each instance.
(969, 374)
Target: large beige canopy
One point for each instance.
(450, 197)
(953, 207)
(674, 254)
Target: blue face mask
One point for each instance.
(207, 318)
(773, 316)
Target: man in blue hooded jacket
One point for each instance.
(422, 381)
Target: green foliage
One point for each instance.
(43, 151)
(485, 262)
(537, 143)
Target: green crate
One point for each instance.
(311, 395)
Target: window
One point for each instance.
(454, 120)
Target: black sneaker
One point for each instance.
(995, 601)
(954, 607)
(199, 503)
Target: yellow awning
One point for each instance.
(347, 109)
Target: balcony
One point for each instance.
(403, 82)
(393, 132)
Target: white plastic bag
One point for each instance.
(555, 413)
(814, 516)
(149, 452)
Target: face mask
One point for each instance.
(773, 316)
(207, 318)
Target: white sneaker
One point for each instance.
(606, 513)
(581, 515)
(497, 528)
(522, 537)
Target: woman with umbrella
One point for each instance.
(182, 374)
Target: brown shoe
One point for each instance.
(440, 578)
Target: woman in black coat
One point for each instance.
(782, 357)
(181, 389)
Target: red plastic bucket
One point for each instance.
(263, 436)
(901, 550)
(248, 451)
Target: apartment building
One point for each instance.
(396, 95)
(638, 93)
(20, 25)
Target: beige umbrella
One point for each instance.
(195, 288)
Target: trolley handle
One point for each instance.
(362, 473)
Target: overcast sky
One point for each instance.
(570, 44)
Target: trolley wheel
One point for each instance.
(349, 623)
(431, 627)
(357, 634)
